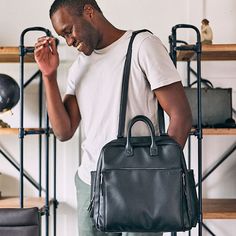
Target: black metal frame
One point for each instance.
(42, 131)
(198, 132)
(197, 48)
(17, 167)
(207, 229)
(13, 162)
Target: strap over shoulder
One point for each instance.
(125, 84)
(124, 91)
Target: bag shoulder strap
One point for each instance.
(125, 85)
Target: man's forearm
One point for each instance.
(58, 115)
(179, 129)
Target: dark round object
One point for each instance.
(9, 92)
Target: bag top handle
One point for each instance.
(147, 121)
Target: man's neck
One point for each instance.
(108, 34)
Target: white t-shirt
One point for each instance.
(96, 82)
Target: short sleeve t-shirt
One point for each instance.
(96, 82)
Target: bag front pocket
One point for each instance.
(144, 200)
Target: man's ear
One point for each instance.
(88, 11)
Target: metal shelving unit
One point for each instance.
(208, 208)
(22, 55)
(196, 48)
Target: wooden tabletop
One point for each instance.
(11, 54)
(211, 52)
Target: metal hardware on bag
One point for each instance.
(129, 151)
(101, 177)
(184, 184)
(102, 184)
(91, 204)
(154, 151)
(183, 177)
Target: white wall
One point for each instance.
(156, 15)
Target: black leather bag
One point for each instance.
(19, 222)
(216, 107)
(142, 183)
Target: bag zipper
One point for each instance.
(91, 204)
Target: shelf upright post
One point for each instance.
(47, 176)
(199, 127)
(173, 44)
(189, 138)
(198, 133)
(22, 133)
(40, 136)
(55, 202)
(21, 126)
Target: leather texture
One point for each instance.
(216, 106)
(19, 222)
(143, 191)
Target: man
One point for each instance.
(94, 87)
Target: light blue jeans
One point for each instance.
(85, 224)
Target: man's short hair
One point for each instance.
(76, 5)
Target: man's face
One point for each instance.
(78, 31)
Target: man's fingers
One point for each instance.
(40, 45)
(39, 53)
(43, 38)
(47, 42)
(52, 44)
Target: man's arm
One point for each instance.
(64, 115)
(174, 102)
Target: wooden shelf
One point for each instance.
(219, 208)
(5, 131)
(9, 131)
(14, 202)
(206, 131)
(213, 52)
(11, 54)
(217, 131)
(185, 55)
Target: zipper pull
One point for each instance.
(183, 177)
(184, 183)
(102, 184)
(90, 207)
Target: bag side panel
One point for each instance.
(192, 196)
